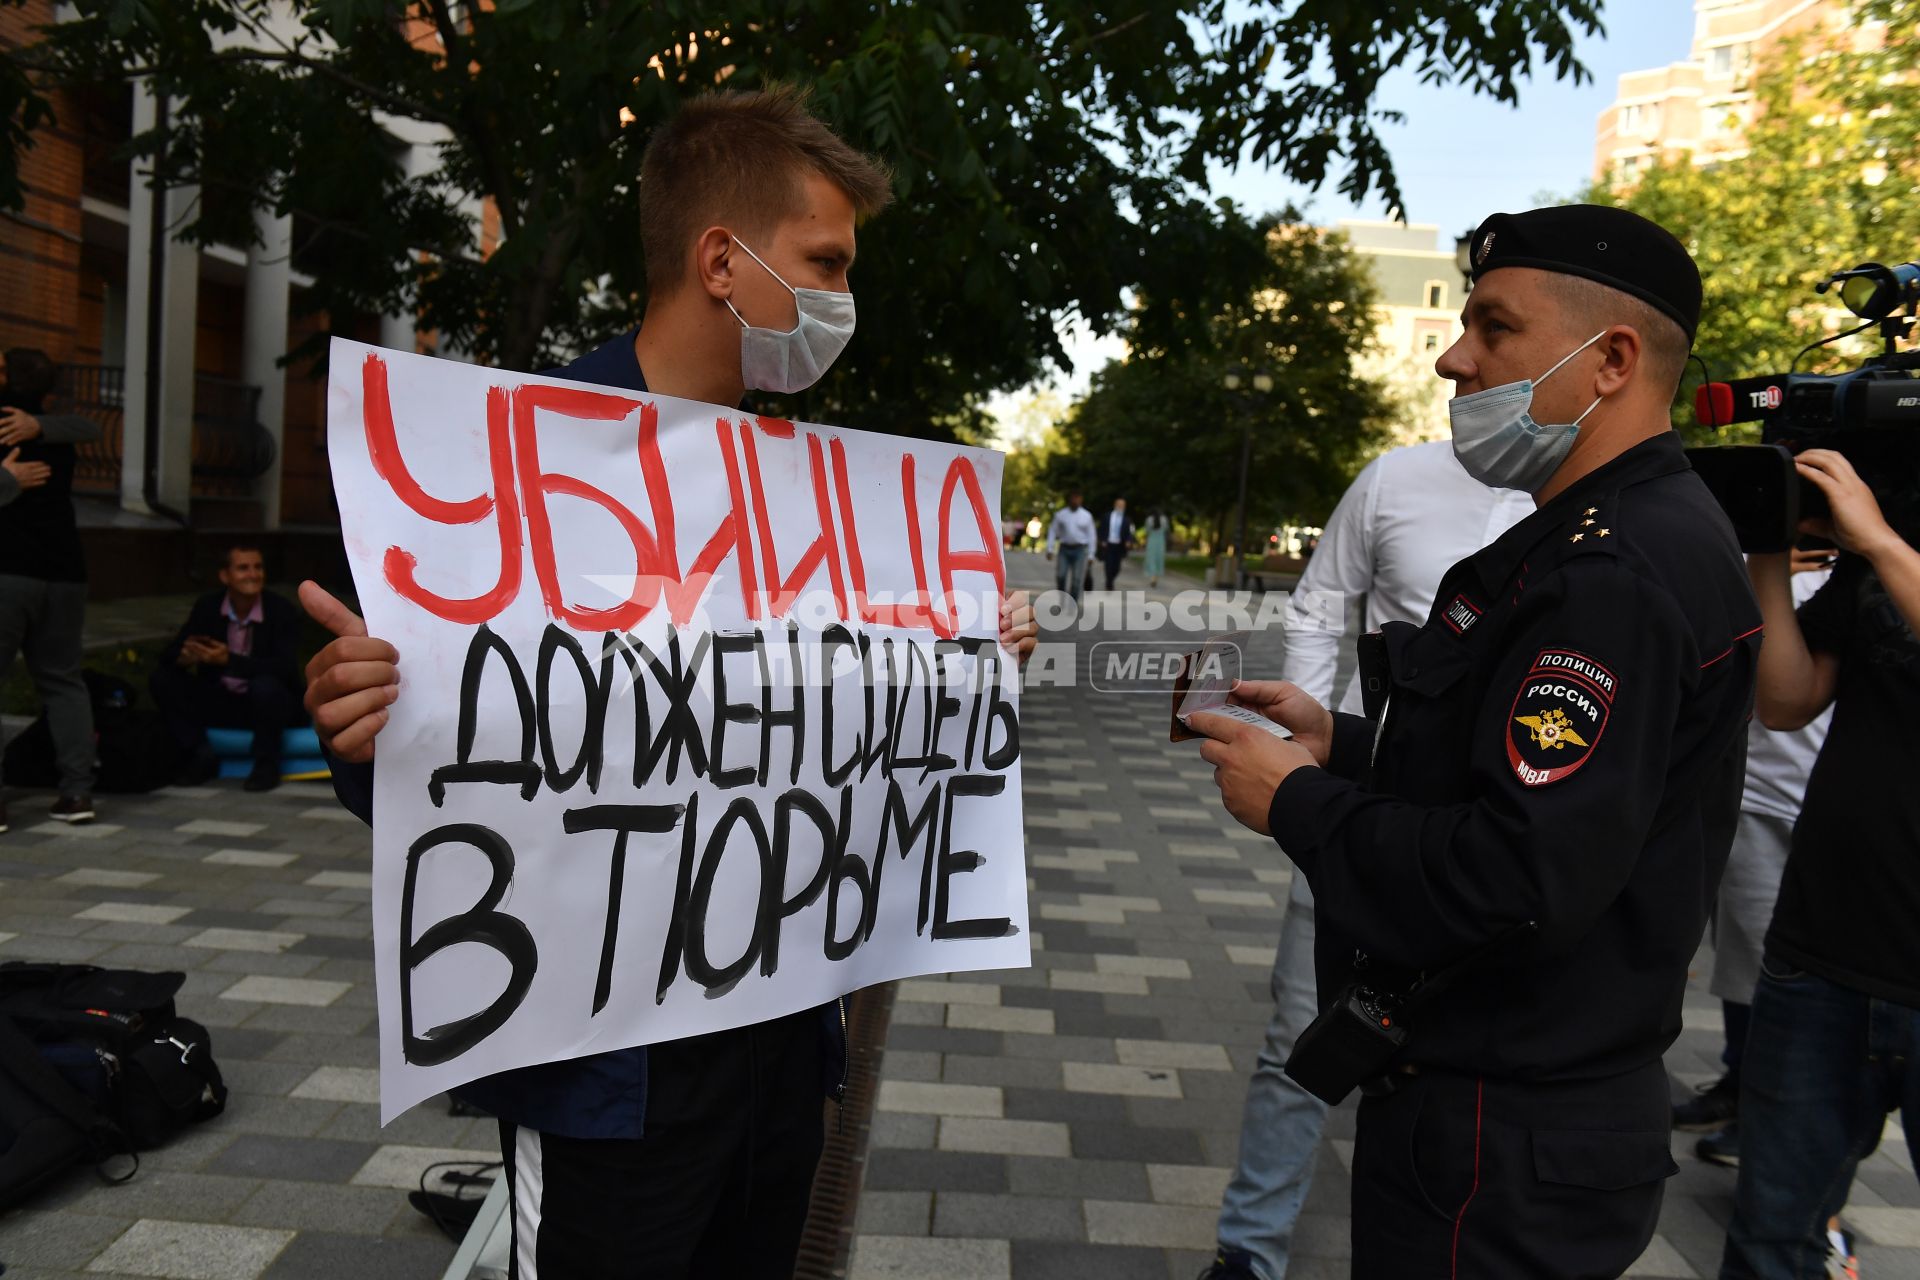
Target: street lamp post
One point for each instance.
(1261, 383)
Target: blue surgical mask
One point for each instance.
(1499, 443)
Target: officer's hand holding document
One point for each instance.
(1258, 731)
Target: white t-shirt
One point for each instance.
(1409, 516)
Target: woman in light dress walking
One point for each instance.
(1157, 525)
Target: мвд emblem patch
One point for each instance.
(1558, 716)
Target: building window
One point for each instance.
(1430, 342)
(1436, 294)
(1630, 118)
(1720, 60)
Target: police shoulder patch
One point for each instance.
(1558, 716)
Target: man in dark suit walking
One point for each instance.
(234, 665)
(1116, 538)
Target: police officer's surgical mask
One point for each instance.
(788, 360)
(1499, 443)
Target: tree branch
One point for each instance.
(394, 102)
(449, 30)
(1088, 41)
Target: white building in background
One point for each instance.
(1422, 290)
(1701, 106)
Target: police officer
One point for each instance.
(1536, 821)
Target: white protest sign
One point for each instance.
(702, 717)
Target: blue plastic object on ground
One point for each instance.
(300, 756)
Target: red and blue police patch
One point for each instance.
(1558, 716)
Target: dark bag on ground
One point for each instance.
(113, 1068)
(133, 749)
(47, 1125)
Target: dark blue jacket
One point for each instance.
(603, 1095)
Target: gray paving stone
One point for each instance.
(56, 1240)
(289, 1159)
(190, 1149)
(1045, 1260)
(1014, 1217)
(193, 1250)
(943, 1039)
(337, 1051)
(1129, 1142)
(899, 1130)
(936, 1171)
(1030, 1073)
(912, 1258)
(1081, 1176)
(1057, 1104)
(246, 1075)
(427, 1125)
(314, 1255)
(180, 1194)
(1060, 1048)
(285, 1117)
(895, 1213)
(307, 1206)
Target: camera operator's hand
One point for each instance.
(1858, 526)
(1856, 523)
(1812, 559)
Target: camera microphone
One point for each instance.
(1717, 404)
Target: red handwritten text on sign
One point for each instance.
(520, 489)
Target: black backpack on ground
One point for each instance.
(94, 1062)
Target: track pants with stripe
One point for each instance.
(1461, 1178)
(718, 1186)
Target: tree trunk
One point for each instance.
(518, 337)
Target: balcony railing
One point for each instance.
(230, 447)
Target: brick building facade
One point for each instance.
(240, 440)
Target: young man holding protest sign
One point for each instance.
(692, 1156)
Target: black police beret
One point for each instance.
(1619, 249)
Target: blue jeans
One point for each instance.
(1824, 1065)
(1281, 1126)
(1070, 570)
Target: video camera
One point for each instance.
(1871, 416)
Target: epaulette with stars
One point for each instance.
(1592, 530)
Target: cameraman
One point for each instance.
(1835, 1039)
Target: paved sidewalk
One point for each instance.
(263, 901)
(1075, 1119)
(1080, 1118)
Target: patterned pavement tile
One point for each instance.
(192, 1251)
(268, 1188)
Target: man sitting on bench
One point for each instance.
(234, 665)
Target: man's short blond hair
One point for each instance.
(738, 160)
(1589, 305)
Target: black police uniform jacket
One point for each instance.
(1563, 744)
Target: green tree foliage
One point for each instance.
(1830, 178)
(1161, 429)
(1047, 154)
